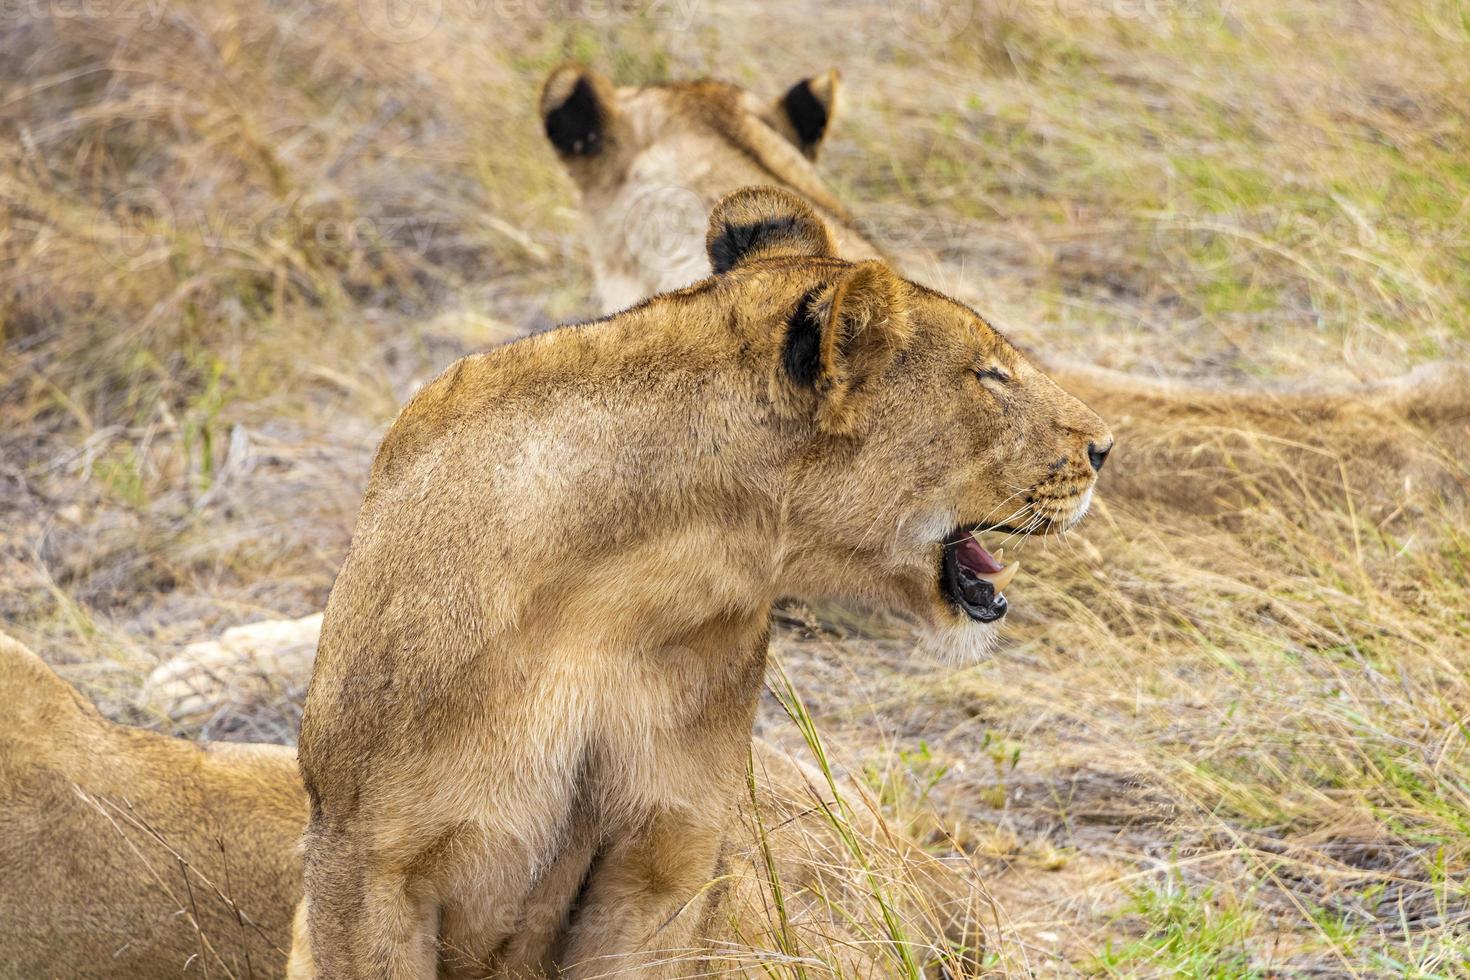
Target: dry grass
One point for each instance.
(1228, 734)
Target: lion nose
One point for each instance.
(1097, 457)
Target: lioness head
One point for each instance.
(586, 116)
(650, 161)
(927, 427)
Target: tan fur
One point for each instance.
(525, 733)
(668, 154)
(822, 89)
(1200, 451)
(680, 147)
(128, 855)
(95, 817)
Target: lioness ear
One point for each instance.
(578, 107)
(840, 338)
(762, 223)
(804, 112)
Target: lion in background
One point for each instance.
(648, 162)
(675, 148)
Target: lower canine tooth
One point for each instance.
(999, 580)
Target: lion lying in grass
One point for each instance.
(649, 161)
(129, 855)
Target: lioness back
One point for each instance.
(649, 160)
(129, 855)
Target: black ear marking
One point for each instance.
(764, 223)
(807, 113)
(801, 351)
(730, 245)
(575, 127)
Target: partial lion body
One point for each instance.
(99, 824)
(662, 156)
(128, 854)
(520, 754)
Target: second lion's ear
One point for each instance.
(578, 109)
(762, 223)
(803, 114)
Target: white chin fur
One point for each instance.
(962, 644)
(1081, 510)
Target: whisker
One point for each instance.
(1023, 531)
(1019, 491)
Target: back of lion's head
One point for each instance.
(588, 119)
(650, 161)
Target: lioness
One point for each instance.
(649, 161)
(128, 855)
(540, 662)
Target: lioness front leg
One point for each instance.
(646, 899)
(362, 919)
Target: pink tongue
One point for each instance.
(973, 557)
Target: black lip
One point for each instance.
(1045, 528)
(975, 596)
(965, 530)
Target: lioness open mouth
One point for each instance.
(973, 578)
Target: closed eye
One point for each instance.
(992, 374)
